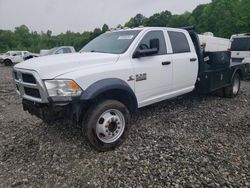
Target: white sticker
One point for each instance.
(125, 37)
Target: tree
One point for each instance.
(222, 17)
(158, 20)
(136, 21)
(105, 28)
(183, 20)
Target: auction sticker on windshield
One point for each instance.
(126, 37)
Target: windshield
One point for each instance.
(7, 53)
(113, 42)
(51, 51)
(241, 44)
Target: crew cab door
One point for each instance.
(152, 73)
(185, 62)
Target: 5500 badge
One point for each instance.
(141, 77)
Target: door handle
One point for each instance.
(166, 63)
(193, 59)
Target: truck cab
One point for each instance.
(114, 75)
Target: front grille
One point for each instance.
(28, 78)
(28, 85)
(32, 92)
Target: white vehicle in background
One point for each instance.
(13, 57)
(240, 47)
(58, 50)
(212, 43)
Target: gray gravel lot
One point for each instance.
(193, 141)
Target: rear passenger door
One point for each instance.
(185, 61)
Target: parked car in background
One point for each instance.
(240, 47)
(58, 50)
(212, 44)
(13, 57)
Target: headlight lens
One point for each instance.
(65, 88)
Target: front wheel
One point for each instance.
(106, 125)
(233, 90)
(8, 62)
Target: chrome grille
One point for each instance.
(29, 85)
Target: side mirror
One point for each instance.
(145, 52)
(154, 46)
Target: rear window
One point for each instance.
(241, 44)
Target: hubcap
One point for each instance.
(236, 85)
(110, 126)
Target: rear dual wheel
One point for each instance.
(106, 125)
(232, 90)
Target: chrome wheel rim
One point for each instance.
(236, 85)
(110, 126)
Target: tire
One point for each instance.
(8, 62)
(233, 90)
(106, 125)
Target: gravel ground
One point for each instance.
(193, 141)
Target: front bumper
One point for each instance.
(51, 112)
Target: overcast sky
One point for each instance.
(81, 15)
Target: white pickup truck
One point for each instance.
(13, 57)
(118, 72)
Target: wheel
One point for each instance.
(233, 90)
(8, 62)
(106, 125)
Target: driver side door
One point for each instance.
(153, 72)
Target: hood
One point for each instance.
(49, 67)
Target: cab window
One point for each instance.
(66, 50)
(148, 42)
(60, 51)
(179, 42)
(17, 54)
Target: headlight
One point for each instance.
(64, 88)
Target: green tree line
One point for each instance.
(222, 17)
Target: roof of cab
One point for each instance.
(144, 28)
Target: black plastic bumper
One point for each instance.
(55, 111)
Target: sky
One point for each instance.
(83, 15)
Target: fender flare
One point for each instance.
(106, 85)
(234, 72)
